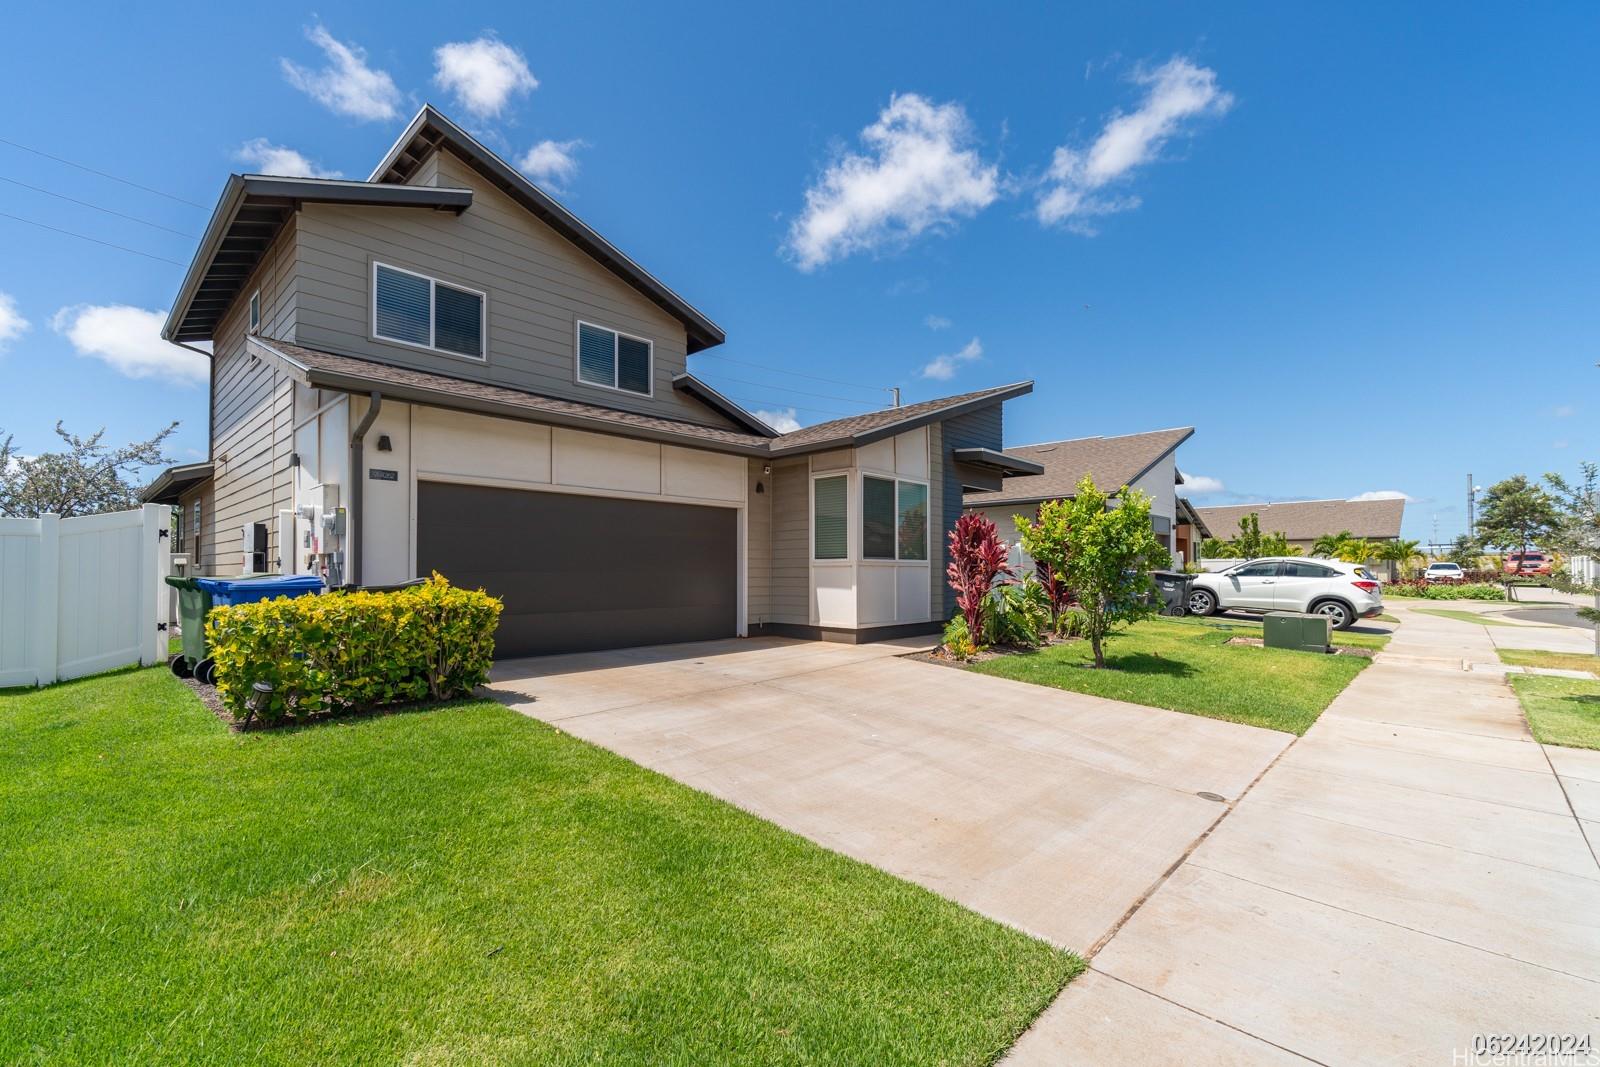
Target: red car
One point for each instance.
(1532, 564)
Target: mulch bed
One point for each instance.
(209, 696)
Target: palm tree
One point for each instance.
(1400, 553)
(1328, 545)
(1356, 550)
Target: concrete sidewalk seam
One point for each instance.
(1391, 922)
(1220, 1022)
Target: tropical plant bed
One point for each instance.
(1189, 665)
(468, 886)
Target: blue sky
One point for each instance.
(1355, 247)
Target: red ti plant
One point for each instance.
(977, 558)
(1056, 589)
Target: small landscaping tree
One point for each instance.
(1045, 539)
(977, 558)
(1464, 552)
(1249, 543)
(1110, 552)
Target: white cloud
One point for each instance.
(1076, 186)
(1384, 494)
(552, 163)
(129, 339)
(483, 74)
(269, 158)
(1200, 484)
(918, 172)
(12, 324)
(346, 85)
(782, 420)
(936, 322)
(943, 368)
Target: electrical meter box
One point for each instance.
(1297, 630)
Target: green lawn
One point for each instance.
(1561, 711)
(1186, 665)
(1564, 661)
(456, 886)
(1478, 618)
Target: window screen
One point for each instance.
(829, 514)
(401, 306)
(633, 365)
(877, 518)
(458, 321)
(606, 357)
(913, 516)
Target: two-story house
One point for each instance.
(443, 369)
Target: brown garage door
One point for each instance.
(579, 573)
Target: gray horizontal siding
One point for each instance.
(539, 286)
(791, 542)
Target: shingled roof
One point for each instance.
(1111, 461)
(328, 370)
(1307, 520)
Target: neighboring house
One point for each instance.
(443, 369)
(1143, 461)
(1303, 521)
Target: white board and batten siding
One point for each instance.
(82, 595)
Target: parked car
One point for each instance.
(1529, 564)
(1449, 573)
(1344, 592)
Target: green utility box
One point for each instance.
(1301, 632)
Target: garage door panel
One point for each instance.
(579, 573)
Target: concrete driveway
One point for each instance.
(1050, 811)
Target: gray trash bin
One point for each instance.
(1174, 589)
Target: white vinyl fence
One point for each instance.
(82, 595)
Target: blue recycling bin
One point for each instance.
(225, 592)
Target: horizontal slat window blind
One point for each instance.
(829, 521)
(401, 307)
(597, 355)
(458, 321)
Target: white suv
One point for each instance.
(1344, 592)
(1444, 572)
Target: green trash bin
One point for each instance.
(194, 604)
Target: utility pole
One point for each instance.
(1472, 501)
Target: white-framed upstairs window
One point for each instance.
(255, 311)
(414, 309)
(830, 517)
(614, 360)
(894, 519)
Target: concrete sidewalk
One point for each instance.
(1409, 874)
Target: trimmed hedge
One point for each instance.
(1415, 587)
(353, 651)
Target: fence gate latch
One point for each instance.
(162, 533)
(161, 626)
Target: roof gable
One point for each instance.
(430, 130)
(1111, 461)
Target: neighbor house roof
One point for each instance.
(1111, 461)
(430, 131)
(173, 482)
(1188, 513)
(1307, 520)
(248, 216)
(327, 370)
(857, 430)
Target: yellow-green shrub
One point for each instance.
(353, 651)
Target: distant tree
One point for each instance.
(87, 477)
(1577, 529)
(1327, 546)
(1248, 543)
(1045, 539)
(977, 558)
(1517, 514)
(1215, 548)
(1110, 553)
(1464, 552)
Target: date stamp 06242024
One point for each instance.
(1528, 1050)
